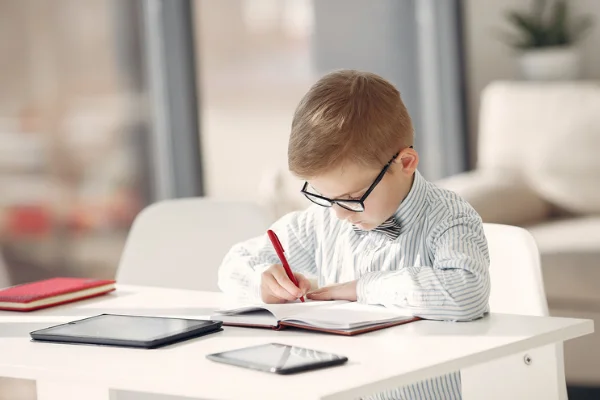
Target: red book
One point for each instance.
(52, 292)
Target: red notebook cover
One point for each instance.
(52, 292)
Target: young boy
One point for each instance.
(378, 233)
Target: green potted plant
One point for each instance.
(546, 38)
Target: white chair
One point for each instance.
(181, 243)
(517, 288)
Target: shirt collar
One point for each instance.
(413, 204)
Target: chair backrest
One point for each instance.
(514, 123)
(181, 243)
(518, 287)
(515, 271)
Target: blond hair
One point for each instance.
(348, 116)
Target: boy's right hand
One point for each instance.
(276, 287)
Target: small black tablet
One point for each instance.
(127, 331)
(278, 358)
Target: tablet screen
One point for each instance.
(274, 356)
(125, 327)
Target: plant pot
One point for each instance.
(550, 63)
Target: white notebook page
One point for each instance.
(348, 316)
(282, 311)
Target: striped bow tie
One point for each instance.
(390, 228)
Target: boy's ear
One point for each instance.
(408, 159)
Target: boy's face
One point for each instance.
(352, 181)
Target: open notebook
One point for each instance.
(339, 317)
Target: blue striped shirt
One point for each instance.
(436, 269)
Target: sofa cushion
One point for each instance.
(570, 255)
(517, 116)
(499, 196)
(564, 168)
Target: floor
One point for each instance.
(583, 393)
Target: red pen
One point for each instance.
(279, 250)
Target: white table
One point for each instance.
(380, 360)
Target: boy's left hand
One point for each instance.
(341, 291)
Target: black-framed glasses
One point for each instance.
(357, 205)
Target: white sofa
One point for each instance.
(539, 167)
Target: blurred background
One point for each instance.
(107, 106)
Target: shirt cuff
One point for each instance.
(363, 287)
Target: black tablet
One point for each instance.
(127, 331)
(278, 358)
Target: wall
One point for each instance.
(489, 59)
(253, 71)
